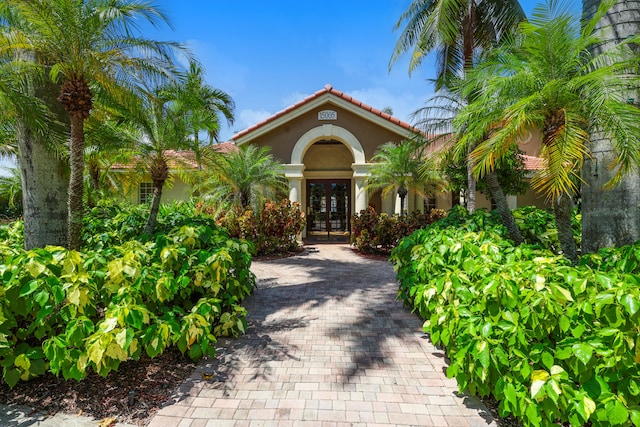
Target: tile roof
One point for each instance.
(181, 158)
(532, 163)
(328, 89)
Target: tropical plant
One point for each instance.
(546, 78)
(554, 344)
(240, 178)
(436, 119)
(70, 313)
(457, 31)
(11, 187)
(87, 46)
(157, 127)
(398, 169)
(203, 104)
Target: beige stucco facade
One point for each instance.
(328, 139)
(325, 143)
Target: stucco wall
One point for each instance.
(283, 138)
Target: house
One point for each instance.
(326, 142)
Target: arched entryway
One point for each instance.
(328, 175)
(329, 160)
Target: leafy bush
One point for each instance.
(554, 344)
(273, 230)
(67, 311)
(378, 233)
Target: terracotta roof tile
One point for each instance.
(327, 89)
(181, 158)
(532, 163)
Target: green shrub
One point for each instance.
(68, 311)
(379, 233)
(554, 344)
(273, 230)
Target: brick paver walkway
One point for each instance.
(328, 345)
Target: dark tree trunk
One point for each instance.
(610, 218)
(150, 226)
(503, 207)
(77, 99)
(159, 175)
(402, 193)
(562, 209)
(76, 182)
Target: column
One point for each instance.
(294, 174)
(360, 175)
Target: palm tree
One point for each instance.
(546, 78)
(610, 217)
(400, 168)
(242, 178)
(437, 119)
(87, 46)
(156, 127)
(203, 104)
(457, 31)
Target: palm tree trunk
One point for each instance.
(562, 209)
(76, 181)
(45, 178)
(44, 192)
(503, 207)
(610, 217)
(471, 188)
(159, 171)
(150, 226)
(77, 99)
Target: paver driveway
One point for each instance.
(328, 345)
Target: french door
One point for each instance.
(328, 209)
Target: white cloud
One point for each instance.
(293, 98)
(403, 104)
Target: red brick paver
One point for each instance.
(328, 345)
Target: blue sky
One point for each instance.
(270, 54)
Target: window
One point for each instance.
(145, 192)
(429, 203)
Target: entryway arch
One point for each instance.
(327, 132)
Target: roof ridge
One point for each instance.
(328, 88)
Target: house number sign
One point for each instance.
(327, 115)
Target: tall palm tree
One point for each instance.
(457, 31)
(203, 104)
(242, 178)
(399, 169)
(546, 78)
(610, 217)
(87, 46)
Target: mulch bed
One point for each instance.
(131, 395)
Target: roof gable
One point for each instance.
(327, 95)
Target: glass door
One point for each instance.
(328, 209)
